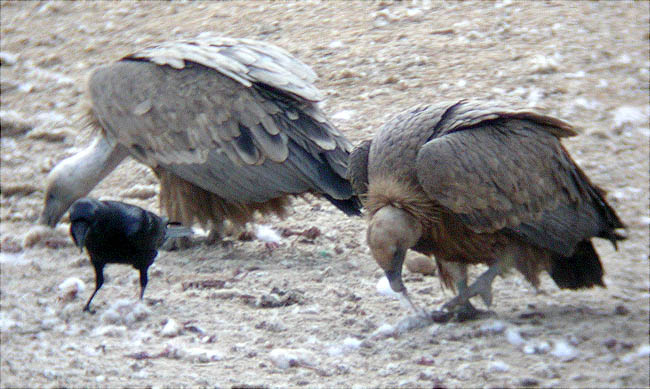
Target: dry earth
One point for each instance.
(308, 313)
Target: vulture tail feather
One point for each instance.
(582, 269)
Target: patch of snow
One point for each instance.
(72, 284)
(47, 75)
(494, 327)
(349, 344)
(384, 289)
(564, 351)
(265, 233)
(112, 331)
(345, 115)
(13, 258)
(514, 337)
(642, 352)
(624, 59)
(498, 367)
(384, 331)
(335, 44)
(629, 115)
(7, 58)
(171, 328)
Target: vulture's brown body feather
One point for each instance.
(488, 185)
(230, 126)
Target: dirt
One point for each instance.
(308, 312)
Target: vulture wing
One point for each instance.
(234, 117)
(504, 170)
(358, 167)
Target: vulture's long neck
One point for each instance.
(92, 164)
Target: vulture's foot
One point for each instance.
(182, 243)
(468, 312)
(481, 287)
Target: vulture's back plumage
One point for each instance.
(230, 126)
(488, 182)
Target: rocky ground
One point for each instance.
(309, 313)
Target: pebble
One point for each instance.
(14, 124)
(285, 358)
(46, 237)
(421, 264)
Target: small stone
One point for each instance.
(621, 310)
(421, 264)
(528, 382)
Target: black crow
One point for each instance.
(115, 232)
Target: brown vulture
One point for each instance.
(229, 126)
(471, 183)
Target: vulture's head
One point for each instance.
(392, 231)
(63, 187)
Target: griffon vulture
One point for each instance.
(229, 126)
(474, 183)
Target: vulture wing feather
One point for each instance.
(507, 170)
(236, 104)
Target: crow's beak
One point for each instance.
(79, 231)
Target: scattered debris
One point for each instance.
(125, 312)
(285, 358)
(70, 289)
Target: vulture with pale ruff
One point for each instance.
(471, 183)
(229, 126)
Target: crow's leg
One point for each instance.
(99, 281)
(143, 280)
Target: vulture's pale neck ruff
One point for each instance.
(76, 176)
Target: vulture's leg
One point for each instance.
(464, 310)
(481, 287)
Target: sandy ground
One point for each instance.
(308, 313)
